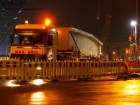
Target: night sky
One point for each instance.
(82, 14)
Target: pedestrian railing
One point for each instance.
(15, 69)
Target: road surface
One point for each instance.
(72, 93)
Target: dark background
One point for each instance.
(82, 14)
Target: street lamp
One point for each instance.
(134, 36)
(133, 23)
(126, 52)
(114, 56)
(134, 33)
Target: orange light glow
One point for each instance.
(113, 52)
(42, 15)
(26, 21)
(47, 22)
(126, 51)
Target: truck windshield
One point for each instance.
(27, 37)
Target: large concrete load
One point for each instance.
(72, 41)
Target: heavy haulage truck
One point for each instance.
(47, 42)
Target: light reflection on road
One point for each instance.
(74, 93)
(38, 98)
(10, 83)
(132, 87)
(38, 82)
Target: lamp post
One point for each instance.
(114, 56)
(134, 37)
(126, 52)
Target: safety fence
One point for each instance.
(14, 69)
(133, 66)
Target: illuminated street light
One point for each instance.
(134, 35)
(133, 23)
(114, 56)
(126, 51)
(113, 52)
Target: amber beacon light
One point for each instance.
(47, 22)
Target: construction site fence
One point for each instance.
(24, 70)
(133, 66)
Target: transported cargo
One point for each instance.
(77, 43)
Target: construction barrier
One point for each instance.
(133, 66)
(14, 69)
